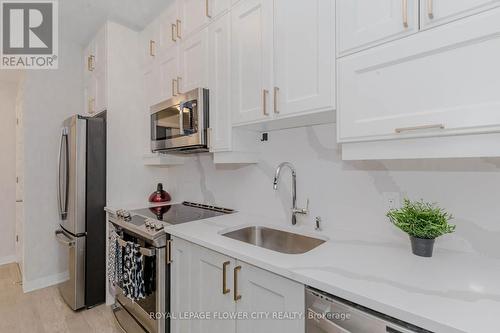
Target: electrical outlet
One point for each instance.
(392, 199)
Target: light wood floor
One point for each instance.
(43, 311)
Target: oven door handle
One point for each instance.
(145, 251)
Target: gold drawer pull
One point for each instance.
(91, 63)
(169, 252)
(179, 22)
(405, 13)
(419, 128)
(225, 289)
(207, 9)
(237, 297)
(173, 33)
(276, 91)
(430, 9)
(173, 87)
(152, 44)
(265, 92)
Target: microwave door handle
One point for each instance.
(181, 119)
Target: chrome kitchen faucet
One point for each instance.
(295, 210)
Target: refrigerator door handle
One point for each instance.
(63, 239)
(63, 189)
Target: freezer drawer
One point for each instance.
(73, 290)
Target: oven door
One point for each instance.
(181, 122)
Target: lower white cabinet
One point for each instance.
(205, 281)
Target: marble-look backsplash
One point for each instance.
(350, 195)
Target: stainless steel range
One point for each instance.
(146, 227)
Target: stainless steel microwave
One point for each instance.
(180, 124)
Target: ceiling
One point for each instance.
(79, 20)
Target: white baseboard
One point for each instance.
(7, 260)
(45, 282)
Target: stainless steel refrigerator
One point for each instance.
(81, 198)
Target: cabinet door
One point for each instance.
(194, 62)
(151, 79)
(251, 60)
(364, 23)
(219, 84)
(440, 82)
(437, 12)
(209, 293)
(217, 7)
(168, 28)
(100, 91)
(149, 38)
(167, 66)
(304, 56)
(193, 16)
(265, 292)
(180, 289)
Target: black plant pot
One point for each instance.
(422, 247)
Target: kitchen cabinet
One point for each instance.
(95, 72)
(437, 12)
(210, 292)
(168, 34)
(265, 292)
(220, 84)
(217, 283)
(424, 85)
(251, 60)
(304, 56)
(364, 23)
(180, 289)
(281, 68)
(193, 62)
(193, 15)
(167, 70)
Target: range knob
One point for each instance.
(119, 213)
(158, 226)
(126, 216)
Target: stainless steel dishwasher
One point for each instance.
(329, 314)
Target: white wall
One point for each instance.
(349, 195)
(8, 94)
(50, 96)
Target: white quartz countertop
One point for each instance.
(448, 293)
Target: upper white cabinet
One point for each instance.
(196, 14)
(283, 59)
(440, 82)
(219, 82)
(251, 60)
(193, 62)
(95, 68)
(363, 23)
(215, 283)
(304, 56)
(437, 12)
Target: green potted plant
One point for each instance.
(423, 222)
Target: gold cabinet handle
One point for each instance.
(207, 9)
(91, 108)
(169, 252)
(209, 144)
(91, 63)
(173, 87)
(178, 84)
(430, 9)
(265, 92)
(276, 91)
(237, 297)
(225, 289)
(405, 13)
(152, 44)
(174, 39)
(419, 128)
(178, 25)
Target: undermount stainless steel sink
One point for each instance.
(276, 240)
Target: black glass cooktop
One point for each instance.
(182, 213)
